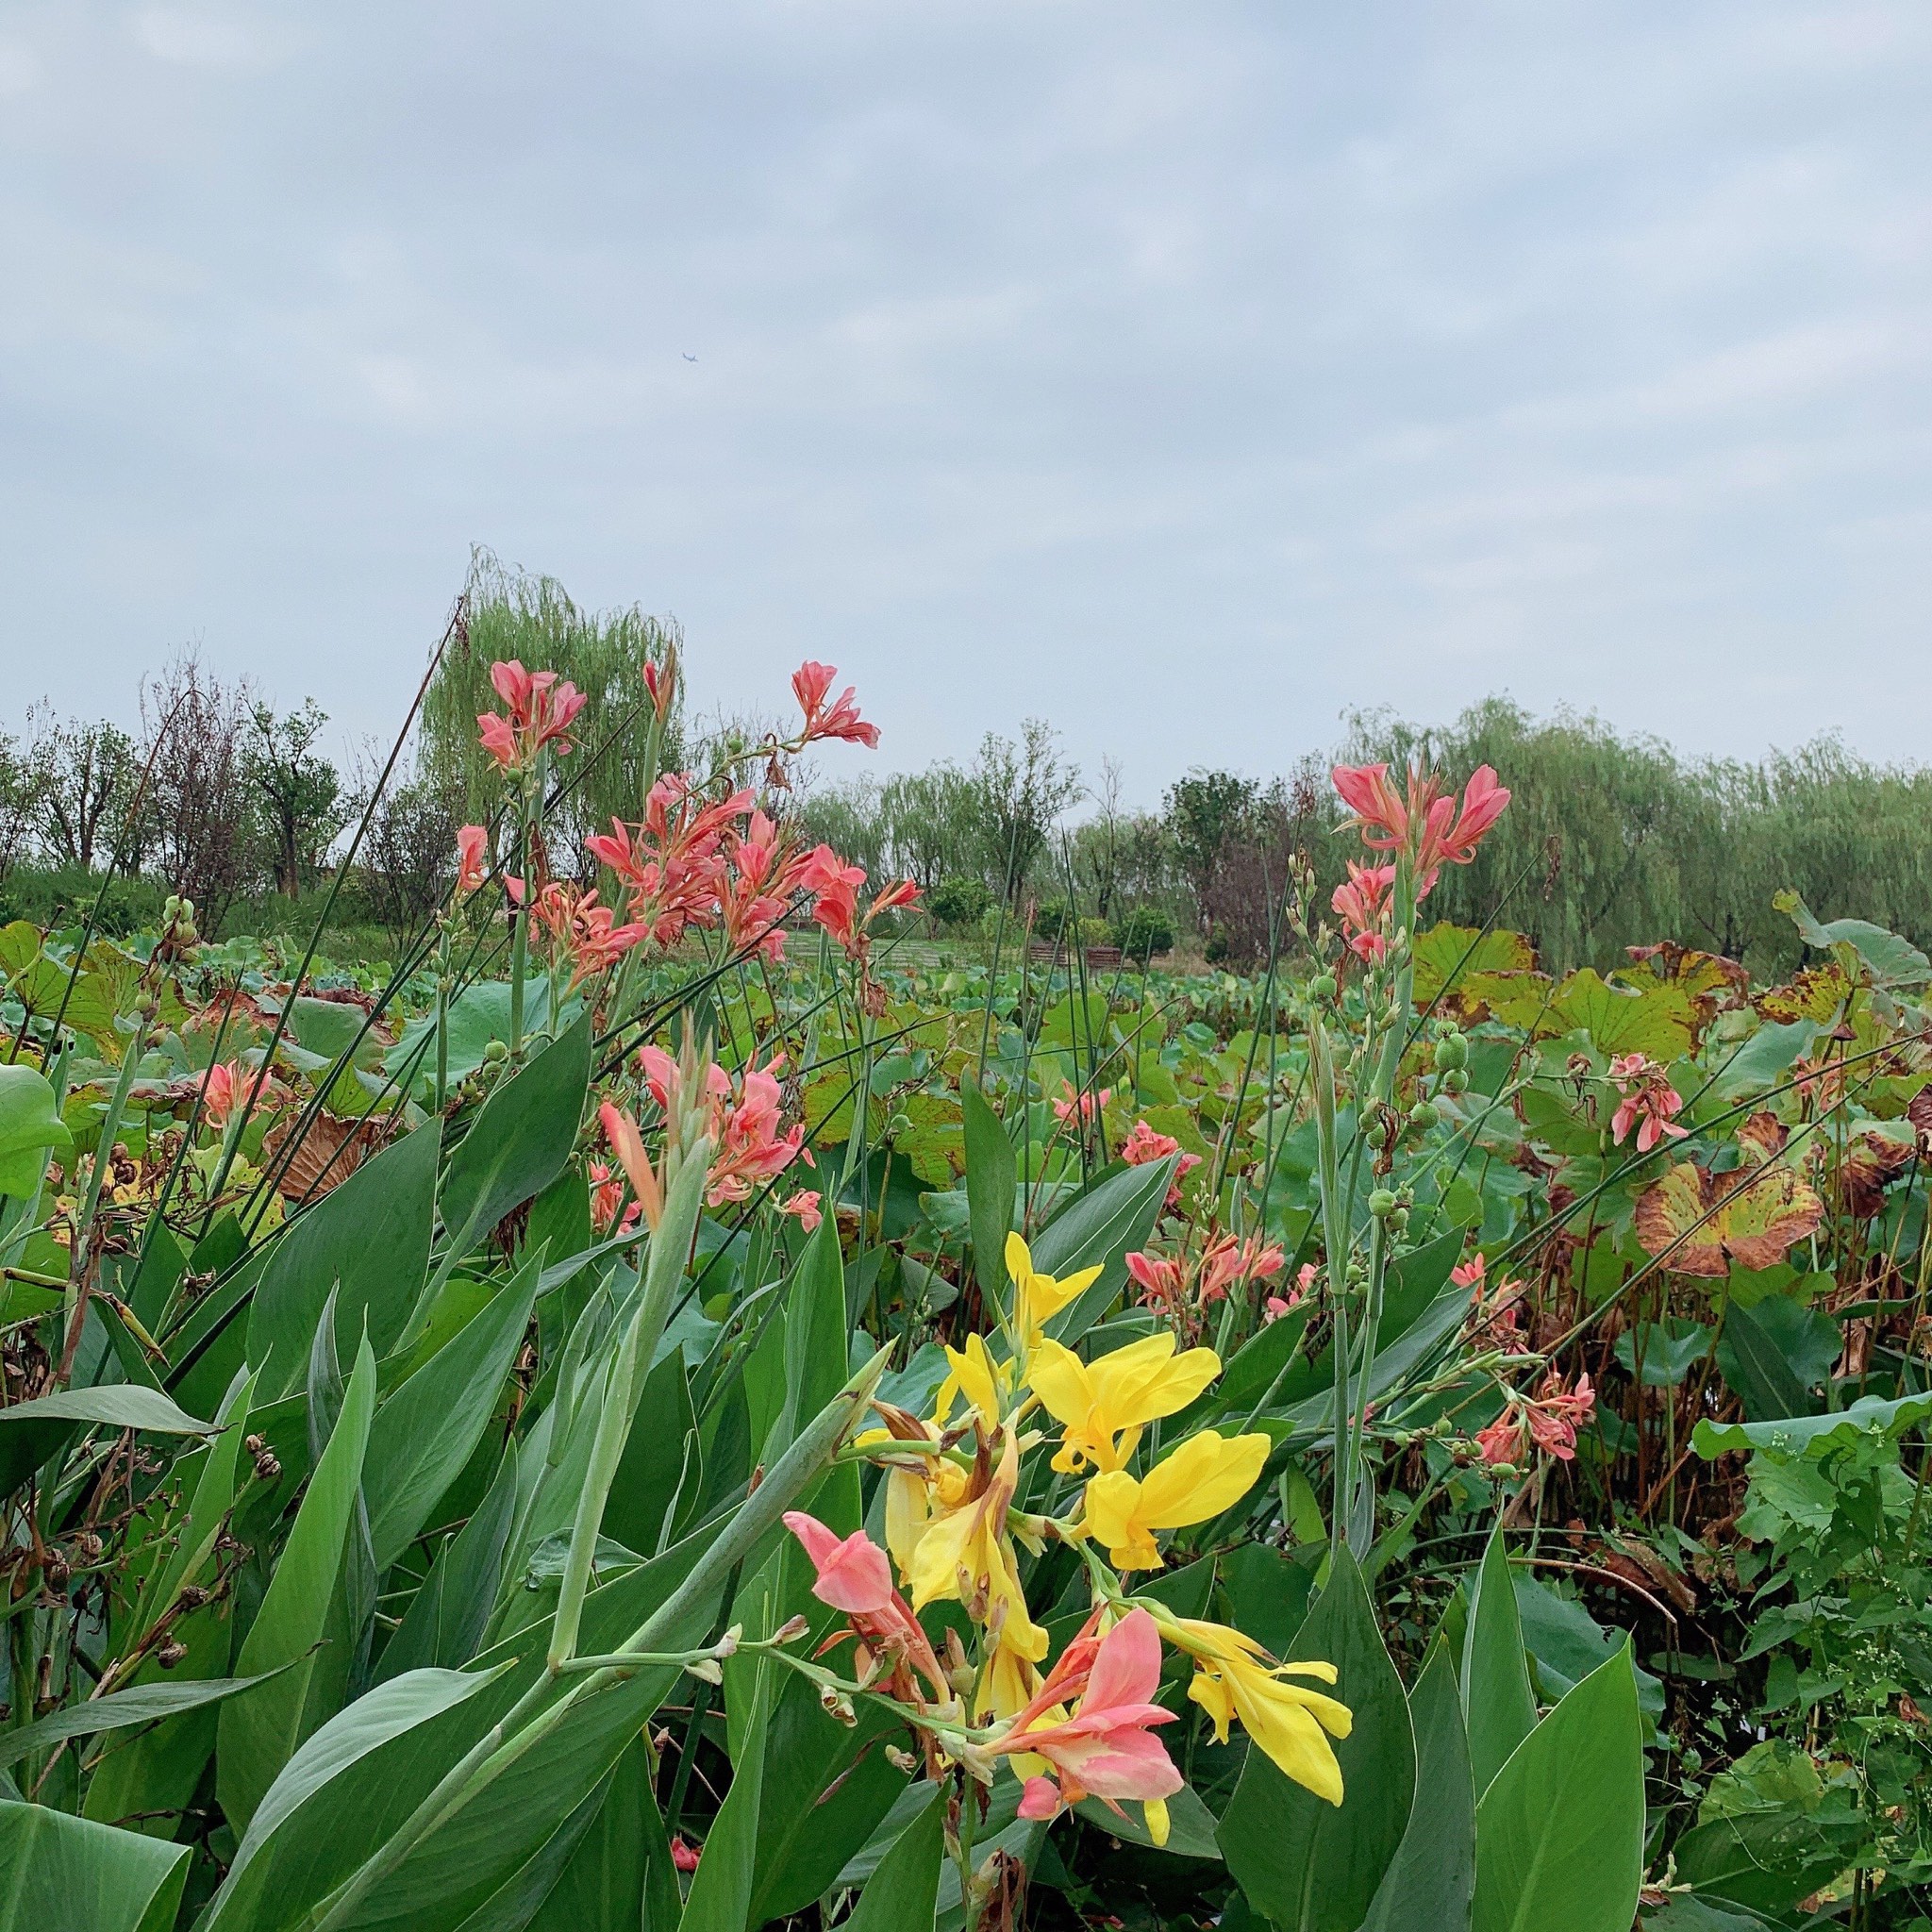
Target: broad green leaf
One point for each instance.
(425, 1434)
(519, 1141)
(991, 1174)
(1812, 1435)
(68, 1875)
(661, 1449)
(1431, 1882)
(143, 1704)
(816, 1328)
(1559, 1833)
(825, 1789)
(1774, 1353)
(33, 1432)
(721, 1891)
(1191, 1825)
(1499, 1708)
(258, 1735)
(665, 1605)
(1100, 1230)
(1308, 1865)
(368, 1242)
(601, 1885)
(902, 1894)
(448, 1615)
(1260, 1363)
(1453, 955)
(1893, 961)
(30, 1126)
(383, 1715)
(1268, 1592)
(476, 1016)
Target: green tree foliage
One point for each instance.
(513, 614)
(1612, 841)
(298, 793)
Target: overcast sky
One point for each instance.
(1185, 373)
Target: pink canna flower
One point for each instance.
(1379, 809)
(855, 1577)
(1226, 1262)
(1502, 1441)
(540, 712)
(1159, 1279)
(805, 1205)
(1082, 1106)
(1436, 827)
(472, 858)
(607, 1198)
(1143, 1146)
(621, 1135)
(1556, 1415)
(754, 1147)
(583, 932)
(812, 684)
(1105, 1749)
(1362, 903)
(684, 1855)
(1649, 1103)
(226, 1086)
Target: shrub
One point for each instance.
(1143, 931)
(959, 900)
(1052, 920)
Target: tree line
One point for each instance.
(1614, 840)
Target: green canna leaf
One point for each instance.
(68, 1875)
(368, 1242)
(991, 1174)
(1559, 1832)
(903, 1894)
(256, 1737)
(1498, 1705)
(1308, 1865)
(423, 1435)
(1431, 1882)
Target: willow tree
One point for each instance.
(512, 613)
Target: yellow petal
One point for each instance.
(1060, 1379)
(1113, 1515)
(1211, 1693)
(1207, 1475)
(1145, 1380)
(1019, 1258)
(1155, 1810)
(1287, 1723)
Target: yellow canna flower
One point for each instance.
(1038, 1298)
(1234, 1677)
(1208, 1474)
(986, 1384)
(965, 1555)
(1106, 1403)
(912, 1497)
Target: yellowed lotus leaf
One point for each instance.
(1458, 954)
(1659, 1021)
(1817, 993)
(1700, 1222)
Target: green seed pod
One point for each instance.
(1322, 987)
(1452, 1053)
(1382, 1203)
(1455, 1081)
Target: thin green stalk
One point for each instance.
(663, 1268)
